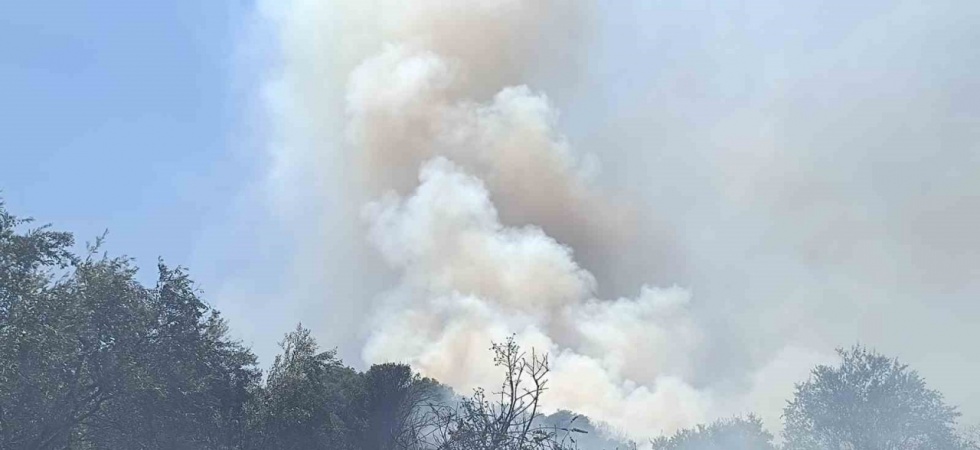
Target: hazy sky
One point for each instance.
(811, 174)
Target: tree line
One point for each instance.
(90, 358)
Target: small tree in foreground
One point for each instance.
(507, 420)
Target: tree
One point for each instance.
(90, 358)
(511, 421)
(44, 387)
(870, 402)
(309, 401)
(395, 403)
(730, 434)
(189, 384)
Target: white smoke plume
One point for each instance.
(485, 236)
(413, 144)
(468, 280)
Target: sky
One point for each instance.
(806, 173)
(138, 120)
(121, 116)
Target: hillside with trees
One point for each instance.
(90, 358)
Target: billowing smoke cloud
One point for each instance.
(441, 203)
(403, 110)
(486, 208)
(468, 280)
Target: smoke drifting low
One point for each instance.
(414, 146)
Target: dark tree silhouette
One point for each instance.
(396, 400)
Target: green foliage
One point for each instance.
(869, 401)
(89, 358)
(309, 401)
(92, 359)
(189, 384)
(730, 434)
(42, 386)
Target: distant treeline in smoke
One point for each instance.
(90, 358)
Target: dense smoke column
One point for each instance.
(483, 235)
(486, 219)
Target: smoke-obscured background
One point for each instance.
(786, 179)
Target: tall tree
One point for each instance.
(395, 405)
(90, 358)
(46, 385)
(869, 402)
(190, 383)
(309, 401)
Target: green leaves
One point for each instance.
(309, 400)
(90, 358)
